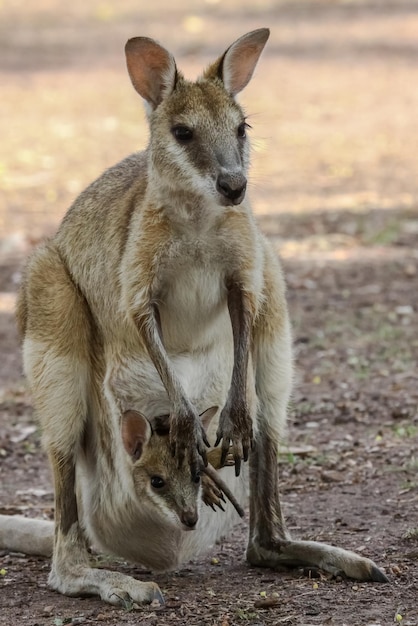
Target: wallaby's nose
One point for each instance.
(189, 519)
(232, 187)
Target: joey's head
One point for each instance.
(158, 480)
(198, 142)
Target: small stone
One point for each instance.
(410, 270)
(49, 609)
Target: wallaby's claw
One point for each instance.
(236, 433)
(123, 599)
(237, 465)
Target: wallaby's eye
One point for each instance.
(157, 482)
(183, 134)
(242, 130)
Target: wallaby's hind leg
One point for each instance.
(270, 544)
(55, 320)
(71, 572)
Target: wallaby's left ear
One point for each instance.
(136, 432)
(236, 66)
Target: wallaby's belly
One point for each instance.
(197, 335)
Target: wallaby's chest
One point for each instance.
(192, 279)
(193, 304)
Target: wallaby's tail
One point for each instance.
(30, 536)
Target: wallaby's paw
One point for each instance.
(188, 440)
(235, 430)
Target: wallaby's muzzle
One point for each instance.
(232, 187)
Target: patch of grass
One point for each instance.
(404, 431)
(411, 534)
(245, 615)
(384, 236)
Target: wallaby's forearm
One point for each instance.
(186, 433)
(235, 423)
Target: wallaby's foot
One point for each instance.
(214, 456)
(188, 439)
(236, 431)
(112, 587)
(336, 561)
(218, 485)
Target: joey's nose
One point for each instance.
(189, 519)
(232, 187)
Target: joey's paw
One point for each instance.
(215, 456)
(235, 430)
(188, 440)
(212, 495)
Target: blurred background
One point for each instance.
(333, 104)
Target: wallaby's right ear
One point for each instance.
(152, 69)
(136, 432)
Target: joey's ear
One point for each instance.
(207, 416)
(236, 66)
(152, 69)
(136, 432)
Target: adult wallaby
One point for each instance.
(160, 294)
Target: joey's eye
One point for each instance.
(157, 482)
(196, 478)
(242, 130)
(183, 134)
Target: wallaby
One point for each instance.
(159, 294)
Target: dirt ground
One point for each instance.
(333, 107)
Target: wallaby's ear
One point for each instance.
(207, 416)
(136, 432)
(152, 69)
(236, 66)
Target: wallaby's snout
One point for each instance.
(189, 518)
(232, 187)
